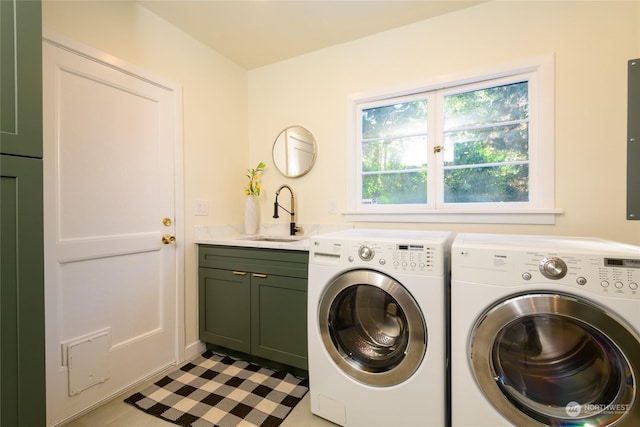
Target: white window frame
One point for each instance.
(540, 208)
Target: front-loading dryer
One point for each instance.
(376, 327)
(545, 331)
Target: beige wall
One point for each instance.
(214, 107)
(592, 42)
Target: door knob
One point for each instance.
(166, 239)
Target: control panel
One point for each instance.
(406, 257)
(608, 276)
(417, 258)
(611, 276)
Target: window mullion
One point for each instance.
(436, 160)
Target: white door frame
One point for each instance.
(120, 65)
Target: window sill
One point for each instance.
(502, 216)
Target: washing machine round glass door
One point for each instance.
(372, 327)
(557, 359)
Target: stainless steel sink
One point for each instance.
(280, 239)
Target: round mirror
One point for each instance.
(294, 151)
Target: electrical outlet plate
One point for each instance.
(201, 207)
(332, 207)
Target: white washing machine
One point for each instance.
(544, 331)
(376, 327)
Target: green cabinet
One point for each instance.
(225, 308)
(254, 301)
(22, 330)
(279, 319)
(21, 78)
(22, 365)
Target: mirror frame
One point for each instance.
(281, 165)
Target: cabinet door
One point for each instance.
(22, 364)
(21, 78)
(224, 308)
(279, 319)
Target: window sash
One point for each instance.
(443, 167)
(366, 202)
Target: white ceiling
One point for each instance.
(261, 32)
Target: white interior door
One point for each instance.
(111, 283)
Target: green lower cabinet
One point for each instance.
(279, 319)
(22, 330)
(254, 301)
(226, 310)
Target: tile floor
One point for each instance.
(119, 414)
(116, 413)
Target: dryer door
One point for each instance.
(372, 328)
(557, 359)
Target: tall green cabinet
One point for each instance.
(22, 340)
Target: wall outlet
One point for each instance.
(332, 207)
(201, 207)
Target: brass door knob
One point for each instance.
(166, 239)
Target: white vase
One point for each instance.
(251, 215)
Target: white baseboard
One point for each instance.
(194, 349)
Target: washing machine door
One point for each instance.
(557, 360)
(372, 327)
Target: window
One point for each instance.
(477, 148)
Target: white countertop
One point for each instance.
(268, 237)
(300, 244)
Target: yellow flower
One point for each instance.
(253, 185)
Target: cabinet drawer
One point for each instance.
(257, 260)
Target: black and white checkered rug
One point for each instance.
(216, 390)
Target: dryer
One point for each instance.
(545, 331)
(376, 327)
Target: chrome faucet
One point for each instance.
(292, 226)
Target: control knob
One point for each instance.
(365, 253)
(553, 268)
